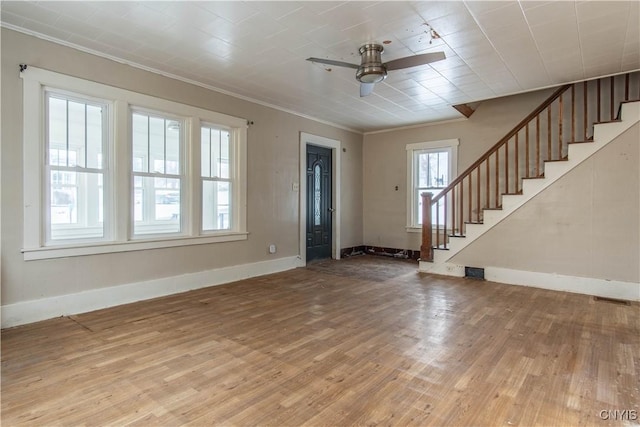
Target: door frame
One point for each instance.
(335, 147)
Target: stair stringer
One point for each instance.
(603, 134)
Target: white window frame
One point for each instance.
(181, 176)
(106, 169)
(450, 145)
(231, 180)
(35, 81)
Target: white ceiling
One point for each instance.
(257, 49)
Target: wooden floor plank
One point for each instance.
(362, 341)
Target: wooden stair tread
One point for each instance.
(564, 159)
(534, 177)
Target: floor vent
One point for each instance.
(474, 273)
(612, 300)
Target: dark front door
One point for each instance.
(319, 209)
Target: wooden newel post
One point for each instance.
(426, 249)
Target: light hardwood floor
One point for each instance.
(363, 341)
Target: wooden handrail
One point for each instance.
(503, 141)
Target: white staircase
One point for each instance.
(603, 134)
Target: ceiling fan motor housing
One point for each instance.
(371, 69)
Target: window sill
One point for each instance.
(413, 229)
(113, 247)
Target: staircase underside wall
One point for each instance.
(587, 224)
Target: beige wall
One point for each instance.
(273, 156)
(385, 164)
(587, 224)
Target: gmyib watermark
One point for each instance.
(618, 414)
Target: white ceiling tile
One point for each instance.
(187, 15)
(365, 32)
(558, 13)
(530, 73)
(74, 26)
(473, 51)
(421, 42)
(289, 40)
(532, 4)
(406, 27)
(28, 10)
(515, 46)
(602, 11)
(10, 18)
(143, 16)
(52, 31)
(346, 15)
(471, 35)
(510, 15)
(556, 37)
(482, 7)
(631, 61)
(232, 11)
(326, 36)
(303, 20)
(276, 9)
(76, 9)
(453, 23)
(430, 10)
(386, 11)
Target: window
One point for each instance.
(157, 173)
(430, 166)
(75, 141)
(216, 178)
(110, 170)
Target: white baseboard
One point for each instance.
(556, 282)
(581, 285)
(47, 308)
(442, 268)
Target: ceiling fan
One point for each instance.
(371, 69)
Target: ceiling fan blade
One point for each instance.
(413, 61)
(366, 89)
(332, 62)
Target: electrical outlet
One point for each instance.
(295, 186)
(272, 249)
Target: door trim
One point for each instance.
(335, 146)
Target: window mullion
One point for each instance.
(86, 143)
(164, 145)
(121, 176)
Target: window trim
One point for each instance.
(35, 81)
(412, 149)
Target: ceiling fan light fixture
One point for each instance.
(371, 74)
